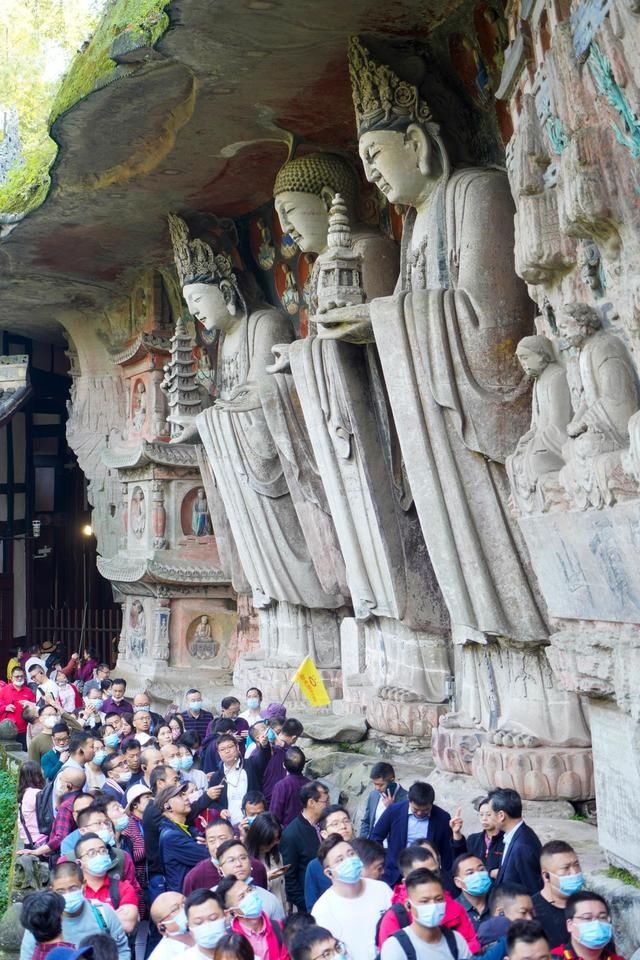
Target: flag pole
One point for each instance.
(288, 692)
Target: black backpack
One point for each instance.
(409, 950)
(401, 914)
(45, 814)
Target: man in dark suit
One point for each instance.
(521, 857)
(385, 792)
(416, 818)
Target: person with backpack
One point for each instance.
(41, 915)
(424, 855)
(54, 811)
(80, 918)
(352, 906)
(426, 938)
(99, 885)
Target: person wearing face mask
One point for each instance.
(188, 771)
(80, 918)
(169, 917)
(96, 779)
(234, 861)
(562, 877)
(110, 738)
(93, 858)
(352, 906)
(590, 933)
(171, 757)
(474, 884)
(194, 717)
(253, 713)
(207, 923)
(14, 697)
(423, 855)
(244, 908)
(63, 792)
(118, 774)
(94, 819)
(68, 695)
(92, 715)
(426, 938)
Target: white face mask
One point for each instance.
(49, 722)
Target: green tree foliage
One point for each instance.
(38, 39)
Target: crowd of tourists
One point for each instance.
(200, 836)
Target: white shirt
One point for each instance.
(169, 948)
(354, 919)
(237, 786)
(391, 949)
(251, 716)
(196, 777)
(142, 738)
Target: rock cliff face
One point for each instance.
(433, 490)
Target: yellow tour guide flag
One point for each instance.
(310, 682)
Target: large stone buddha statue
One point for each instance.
(447, 342)
(299, 612)
(395, 599)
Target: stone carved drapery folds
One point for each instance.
(354, 444)
(447, 341)
(605, 398)
(243, 454)
(533, 467)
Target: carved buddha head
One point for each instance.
(304, 190)
(534, 355)
(403, 150)
(577, 322)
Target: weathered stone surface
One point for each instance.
(539, 773)
(8, 730)
(347, 729)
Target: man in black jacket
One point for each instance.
(300, 840)
(237, 776)
(521, 857)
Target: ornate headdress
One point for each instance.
(195, 260)
(380, 97)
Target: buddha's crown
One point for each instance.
(381, 99)
(195, 260)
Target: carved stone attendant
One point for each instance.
(235, 435)
(200, 519)
(538, 456)
(607, 398)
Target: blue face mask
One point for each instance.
(143, 709)
(250, 820)
(99, 864)
(122, 822)
(100, 757)
(112, 740)
(428, 914)
(594, 934)
(107, 837)
(175, 763)
(253, 703)
(477, 884)
(73, 901)
(96, 703)
(572, 883)
(186, 763)
(208, 934)
(196, 706)
(271, 735)
(350, 870)
(251, 905)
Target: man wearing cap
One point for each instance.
(80, 918)
(168, 915)
(179, 849)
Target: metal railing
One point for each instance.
(101, 631)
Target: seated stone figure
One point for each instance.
(236, 437)
(533, 466)
(355, 444)
(606, 398)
